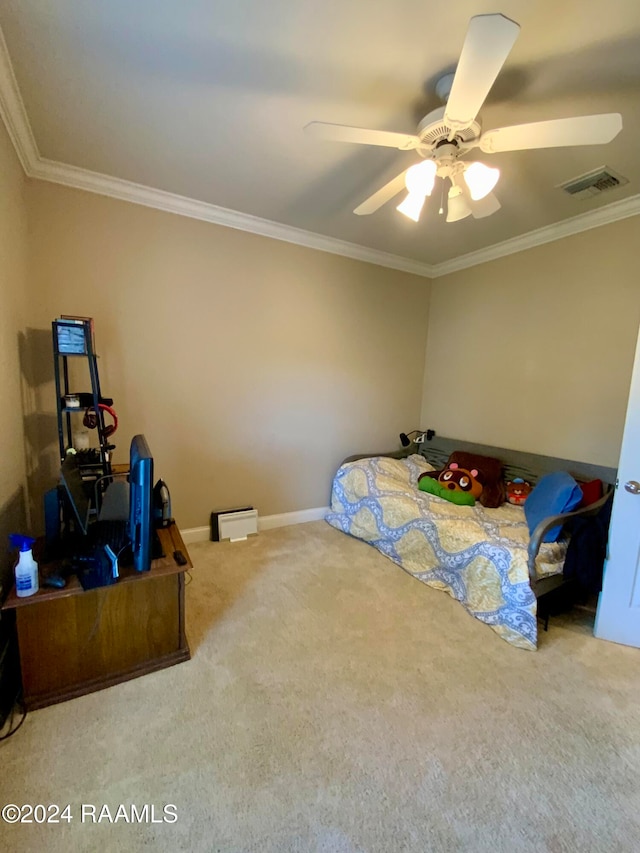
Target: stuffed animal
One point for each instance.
(454, 484)
(460, 479)
(518, 490)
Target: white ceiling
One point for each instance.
(208, 100)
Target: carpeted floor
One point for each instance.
(334, 703)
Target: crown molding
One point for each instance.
(83, 179)
(14, 116)
(565, 228)
(13, 112)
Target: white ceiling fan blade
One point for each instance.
(485, 206)
(361, 136)
(486, 46)
(381, 196)
(580, 130)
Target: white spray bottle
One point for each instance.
(26, 569)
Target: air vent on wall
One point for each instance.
(594, 183)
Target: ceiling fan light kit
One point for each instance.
(448, 133)
(485, 207)
(419, 180)
(421, 177)
(480, 179)
(457, 207)
(412, 205)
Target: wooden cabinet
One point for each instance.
(73, 641)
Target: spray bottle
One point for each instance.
(26, 569)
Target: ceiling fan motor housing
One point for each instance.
(434, 129)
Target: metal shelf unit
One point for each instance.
(73, 339)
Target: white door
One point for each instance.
(618, 616)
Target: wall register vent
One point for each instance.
(594, 183)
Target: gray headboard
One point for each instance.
(517, 463)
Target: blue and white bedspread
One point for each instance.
(478, 555)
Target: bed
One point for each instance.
(485, 558)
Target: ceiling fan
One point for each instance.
(448, 133)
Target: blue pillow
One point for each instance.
(554, 493)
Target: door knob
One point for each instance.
(633, 486)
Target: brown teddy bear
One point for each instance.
(518, 490)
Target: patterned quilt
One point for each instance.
(478, 555)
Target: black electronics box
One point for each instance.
(94, 570)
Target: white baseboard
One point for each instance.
(284, 519)
(267, 522)
(195, 534)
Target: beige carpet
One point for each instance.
(334, 703)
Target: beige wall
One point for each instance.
(534, 351)
(252, 366)
(13, 313)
